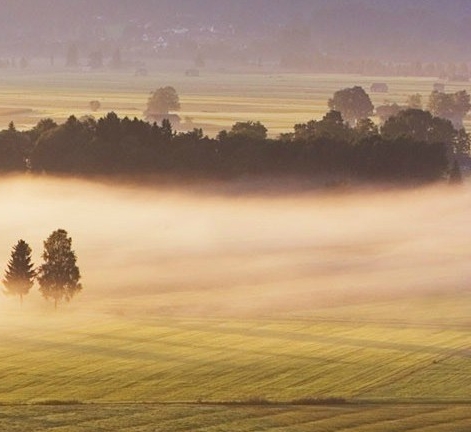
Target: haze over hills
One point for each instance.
(399, 31)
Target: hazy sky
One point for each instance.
(431, 30)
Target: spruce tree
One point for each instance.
(20, 274)
(59, 276)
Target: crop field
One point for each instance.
(212, 418)
(138, 356)
(130, 369)
(214, 101)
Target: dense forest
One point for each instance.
(411, 147)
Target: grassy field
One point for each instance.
(147, 358)
(213, 101)
(133, 370)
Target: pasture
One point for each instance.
(213, 101)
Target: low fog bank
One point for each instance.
(178, 251)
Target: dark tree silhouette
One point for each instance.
(422, 145)
(451, 106)
(331, 126)
(353, 103)
(161, 101)
(384, 112)
(20, 274)
(250, 130)
(59, 276)
(422, 126)
(14, 148)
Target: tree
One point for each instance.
(250, 130)
(161, 101)
(331, 126)
(94, 105)
(365, 128)
(419, 125)
(63, 149)
(451, 106)
(383, 112)
(41, 127)
(20, 274)
(353, 103)
(14, 149)
(59, 276)
(414, 101)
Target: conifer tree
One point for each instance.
(20, 274)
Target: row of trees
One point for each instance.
(411, 145)
(354, 104)
(58, 276)
(394, 152)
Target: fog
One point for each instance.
(199, 251)
(362, 29)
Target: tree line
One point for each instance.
(58, 277)
(412, 145)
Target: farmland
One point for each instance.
(110, 359)
(214, 101)
(229, 311)
(211, 418)
(130, 369)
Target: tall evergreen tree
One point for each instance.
(20, 274)
(59, 276)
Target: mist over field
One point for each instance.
(269, 205)
(177, 251)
